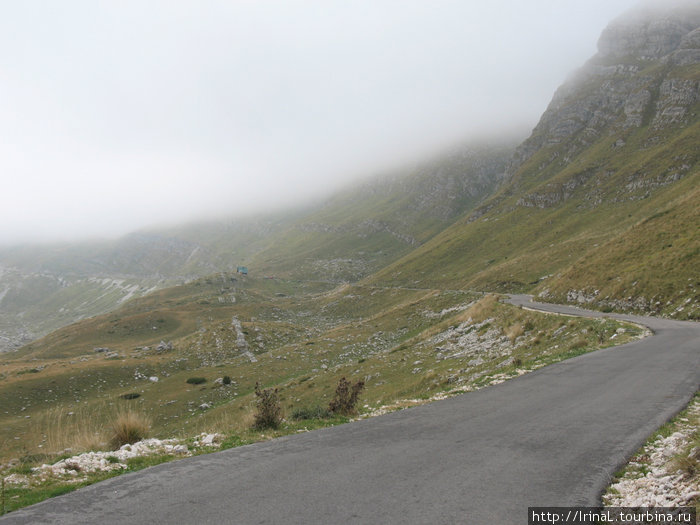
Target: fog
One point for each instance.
(118, 115)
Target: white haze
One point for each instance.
(121, 114)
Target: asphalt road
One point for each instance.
(551, 437)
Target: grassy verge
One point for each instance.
(16, 496)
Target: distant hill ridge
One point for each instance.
(344, 238)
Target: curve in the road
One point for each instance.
(552, 437)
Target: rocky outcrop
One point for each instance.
(618, 89)
(648, 34)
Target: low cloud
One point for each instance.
(117, 115)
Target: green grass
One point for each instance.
(17, 498)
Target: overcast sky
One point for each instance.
(120, 114)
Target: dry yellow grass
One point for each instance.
(58, 429)
(232, 421)
(480, 310)
(129, 426)
(514, 331)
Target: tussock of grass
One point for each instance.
(128, 427)
(514, 331)
(689, 461)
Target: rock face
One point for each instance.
(647, 34)
(634, 80)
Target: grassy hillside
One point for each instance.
(390, 282)
(600, 211)
(363, 229)
(343, 239)
(300, 337)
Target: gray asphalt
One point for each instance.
(551, 437)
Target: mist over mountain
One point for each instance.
(394, 279)
(115, 118)
(344, 238)
(598, 205)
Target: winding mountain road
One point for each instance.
(550, 437)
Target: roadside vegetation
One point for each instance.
(323, 355)
(665, 472)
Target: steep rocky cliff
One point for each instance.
(645, 74)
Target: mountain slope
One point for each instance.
(361, 230)
(616, 147)
(600, 205)
(352, 234)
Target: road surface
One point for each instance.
(552, 437)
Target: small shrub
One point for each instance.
(601, 335)
(269, 413)
(196, 380)
(580, 342)
(130, 395)
(129, 427)
(517, 362)
(316, 412)
(226, 380)
(346, 397)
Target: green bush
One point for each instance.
(346, 397)
(269, 411)
(196, 380)
(130, 395)
(226, 380)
